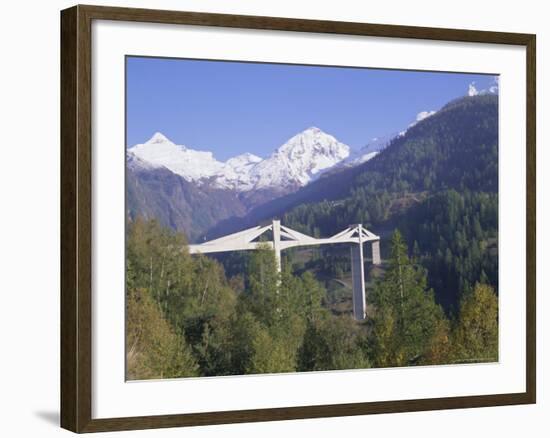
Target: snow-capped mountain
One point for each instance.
(301, 159)
(190, 164)
(236, 172)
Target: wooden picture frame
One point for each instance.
(76, 217)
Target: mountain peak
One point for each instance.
(246, 157)
(313, 129)
(158, 137)
(313, 139)
(301, 159)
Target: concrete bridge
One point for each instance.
(284, 238)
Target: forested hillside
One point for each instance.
(455, 148)
(438, 184)
(186, 317)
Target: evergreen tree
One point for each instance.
(406, 317)
(333, 343)
(476, 334)
(262, 290)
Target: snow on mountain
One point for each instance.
(303, 158)
(421, 116)
(236, 172)
(300, 160)
(190, 164)
(377, 144)
(369, 151)
(360, 158)
(472, 90)
(295, 163)
(135, 163)
(493, 88)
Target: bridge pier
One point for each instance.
(277, 242)
(358, 282)
(376, 260)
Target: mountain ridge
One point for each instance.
(421, 159)
(298, 161)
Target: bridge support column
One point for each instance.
(277, 243)
(376, 253)
(358, 281)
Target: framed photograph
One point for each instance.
(269, 218)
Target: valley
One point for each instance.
(289, 218)
(312, 185)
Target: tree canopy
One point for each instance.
(186, 317)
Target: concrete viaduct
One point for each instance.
(284, 238)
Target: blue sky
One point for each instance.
(234, 107)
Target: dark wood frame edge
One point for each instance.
(76, 239)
